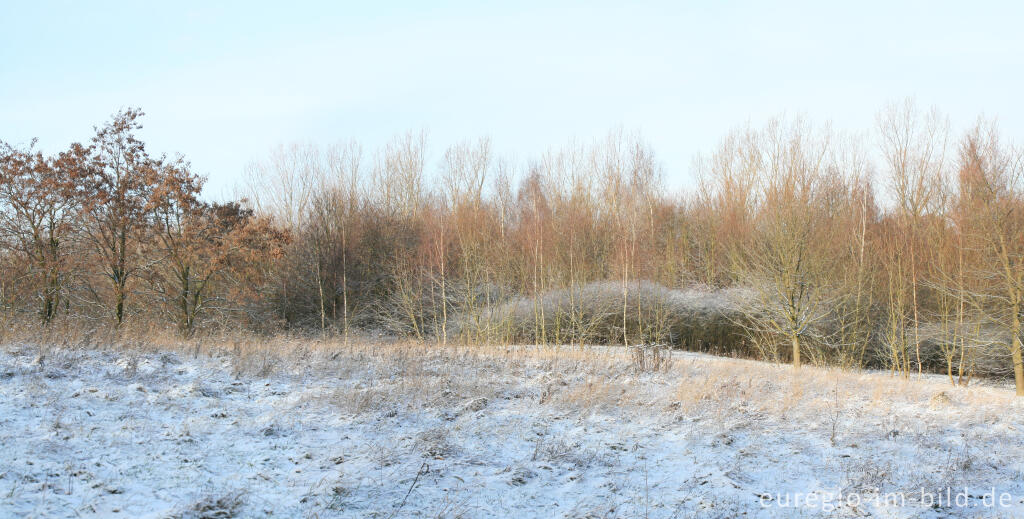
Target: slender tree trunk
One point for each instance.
(51, 297)
(444, 293)
(625, 300)
(1013, 281)
(1015, 352)
(860, 283)
(185, 324)
(344, 281)
(320, 291)
(960, 306)
(913, 285)
(120, 278)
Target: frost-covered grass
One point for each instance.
(292, 429)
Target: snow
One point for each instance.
(383, 432)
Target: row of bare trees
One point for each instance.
(909, 253)
(901, 248)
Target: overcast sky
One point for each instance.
(225, 83)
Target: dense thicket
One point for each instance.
(901, 248)
(105, 232)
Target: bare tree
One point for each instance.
(785, 265)
(914, 146)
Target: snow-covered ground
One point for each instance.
(407, 431)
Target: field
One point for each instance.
(294, 428)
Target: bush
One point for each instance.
(696, 319)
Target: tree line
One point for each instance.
(901, 248)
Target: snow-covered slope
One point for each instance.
(408, 431)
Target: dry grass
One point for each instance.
(580, 378)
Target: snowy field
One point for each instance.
(288, 430)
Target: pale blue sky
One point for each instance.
(225, 83)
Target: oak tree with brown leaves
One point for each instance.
(38, 204)
(120, 193)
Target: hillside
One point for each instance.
(369, 430)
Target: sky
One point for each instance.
(225, 83)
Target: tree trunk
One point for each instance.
(1018, 365)
(320, 291)
(119, 308)
(796, 352)
(183, 277)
